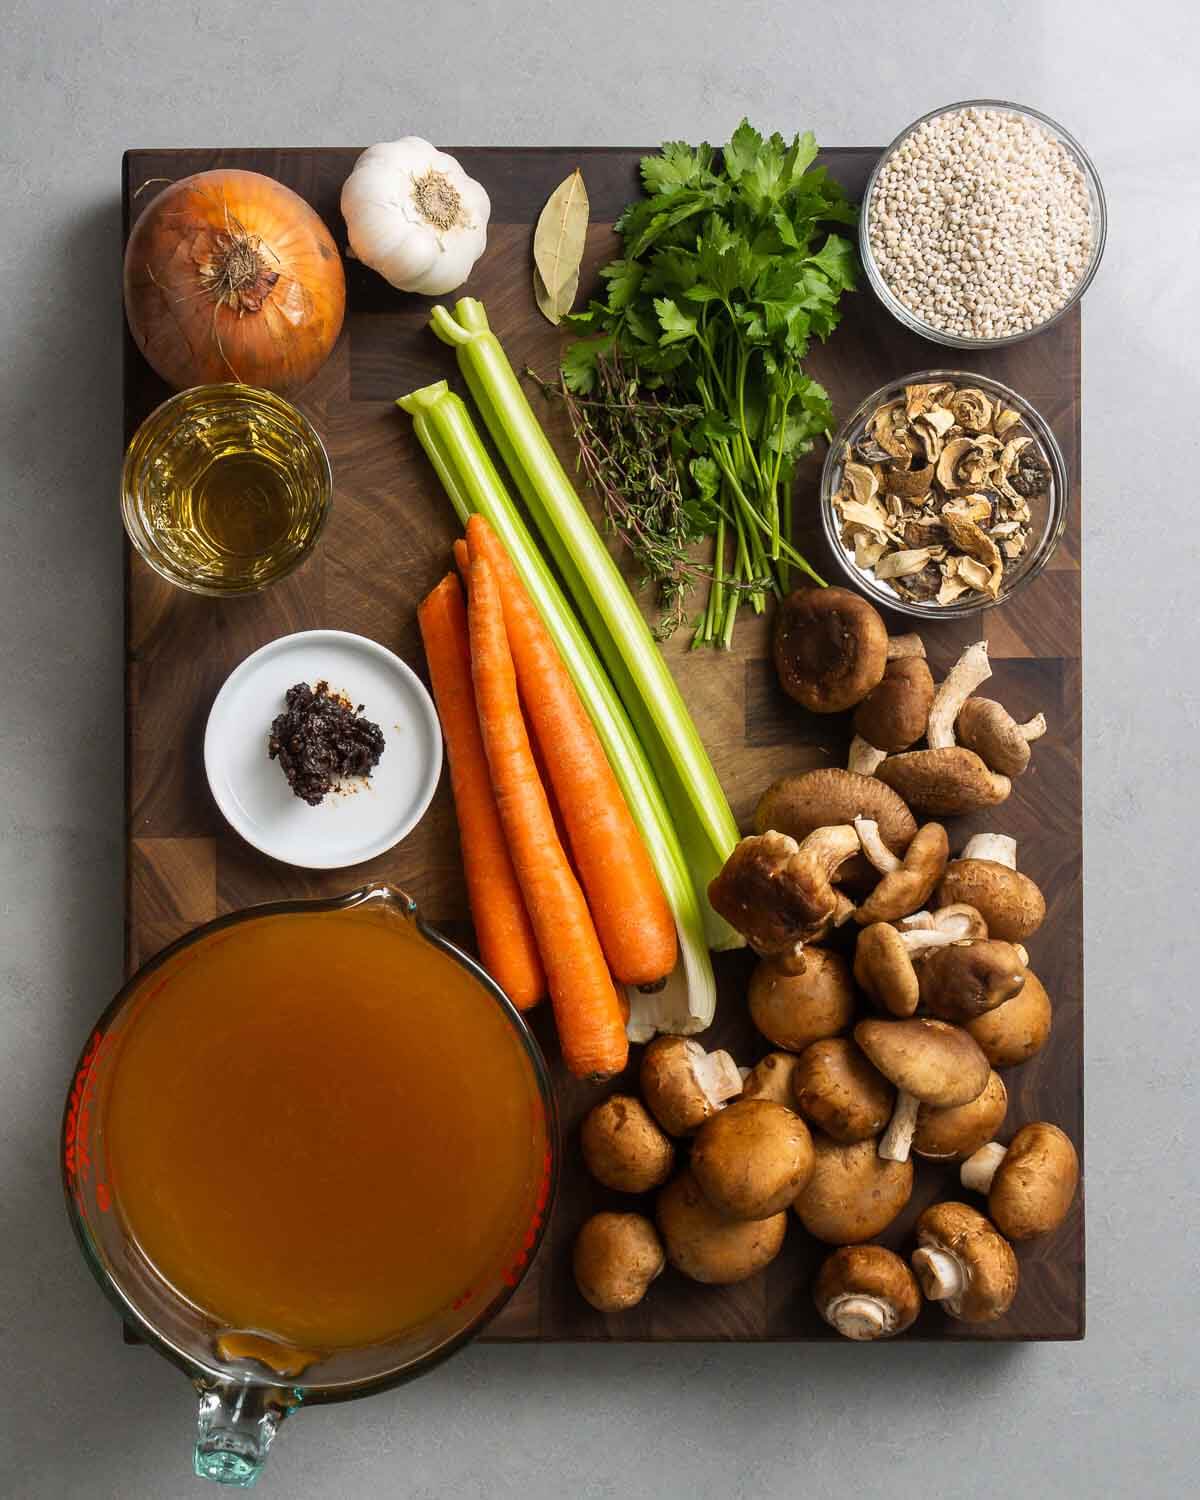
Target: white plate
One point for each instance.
(350, 826)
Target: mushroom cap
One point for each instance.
(944, 783)
(839, 1090)
(1034, 1185)
(615, 1259)
(830, 648)
(1010, 903)
(883, 967)
(894, 714)
(772, 1079)
(908, 889)
(623, 1148)
(966, 980)
(958, 1132)
(990, 1267)
(793, 1010)
(1017, 1030)
(674, 1086)
(936, 1063)
(853, 1193)
(752, 1159)
(705, 1245)
(871, 1272)
(988, 728)
(777, 892)
(796, 805)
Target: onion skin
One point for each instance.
(229, 275)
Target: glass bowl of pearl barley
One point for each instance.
(982, 223)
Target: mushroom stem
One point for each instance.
(917, 921)
(873, 846)
(968, 672)
(1034, 728)
(864, 759)
(917, 939)
(1022, 953)
(905, 645)
(1000, 848)
(718, 1075)
(859, 1316)
(897, 1138)
(977, 1171)
(940, 1274)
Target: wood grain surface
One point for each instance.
(387, 542)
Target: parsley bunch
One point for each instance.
(727, 273)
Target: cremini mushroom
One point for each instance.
(908, 882)
(986, 876)
(707, 1246)
(840, 1091)
(772, 1079)
(780, 894)
(894, 714)
(961, 921)
(1017, 1030)
(965, 980)
(990, 730)
(793, 1009)
(964, 1263)
(930, 1063)
(797, 805)
(830, 648)
(683, 1085)
(865, 1292)
(752, 1159)
(948, 779)
(853, 1193)
(884, 963)
(1030, 1185)
(944, 783)
(954, 1133)
(616, 1257)
(623, 1148)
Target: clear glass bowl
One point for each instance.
(213, 530)
(1048, 511)
(904, 314)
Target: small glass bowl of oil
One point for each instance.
(225, 489)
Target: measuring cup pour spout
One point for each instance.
(238, 1421)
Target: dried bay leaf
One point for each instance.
(554, 308)
(558, 245)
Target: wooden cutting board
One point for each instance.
(387, 542)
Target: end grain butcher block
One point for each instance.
(387, 542)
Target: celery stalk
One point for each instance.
(705, 825)
(446, 432)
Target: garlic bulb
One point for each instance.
(414, 216)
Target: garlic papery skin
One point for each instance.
(414, 215)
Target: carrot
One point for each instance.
(632, 917)
(462, 559)
(506, 942)
(586, 1010)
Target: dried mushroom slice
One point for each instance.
(908, 482)
(1004, 420)
(887, 428)
(971, 409)
(904, 563)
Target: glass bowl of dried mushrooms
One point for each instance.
(943, 494)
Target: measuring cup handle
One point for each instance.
(237, 1423)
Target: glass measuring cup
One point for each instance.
(248, 1380)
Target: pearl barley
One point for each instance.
(980, 223)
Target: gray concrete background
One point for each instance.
(79, 81)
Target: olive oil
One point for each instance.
(226, 489)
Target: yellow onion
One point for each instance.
(230, 275)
